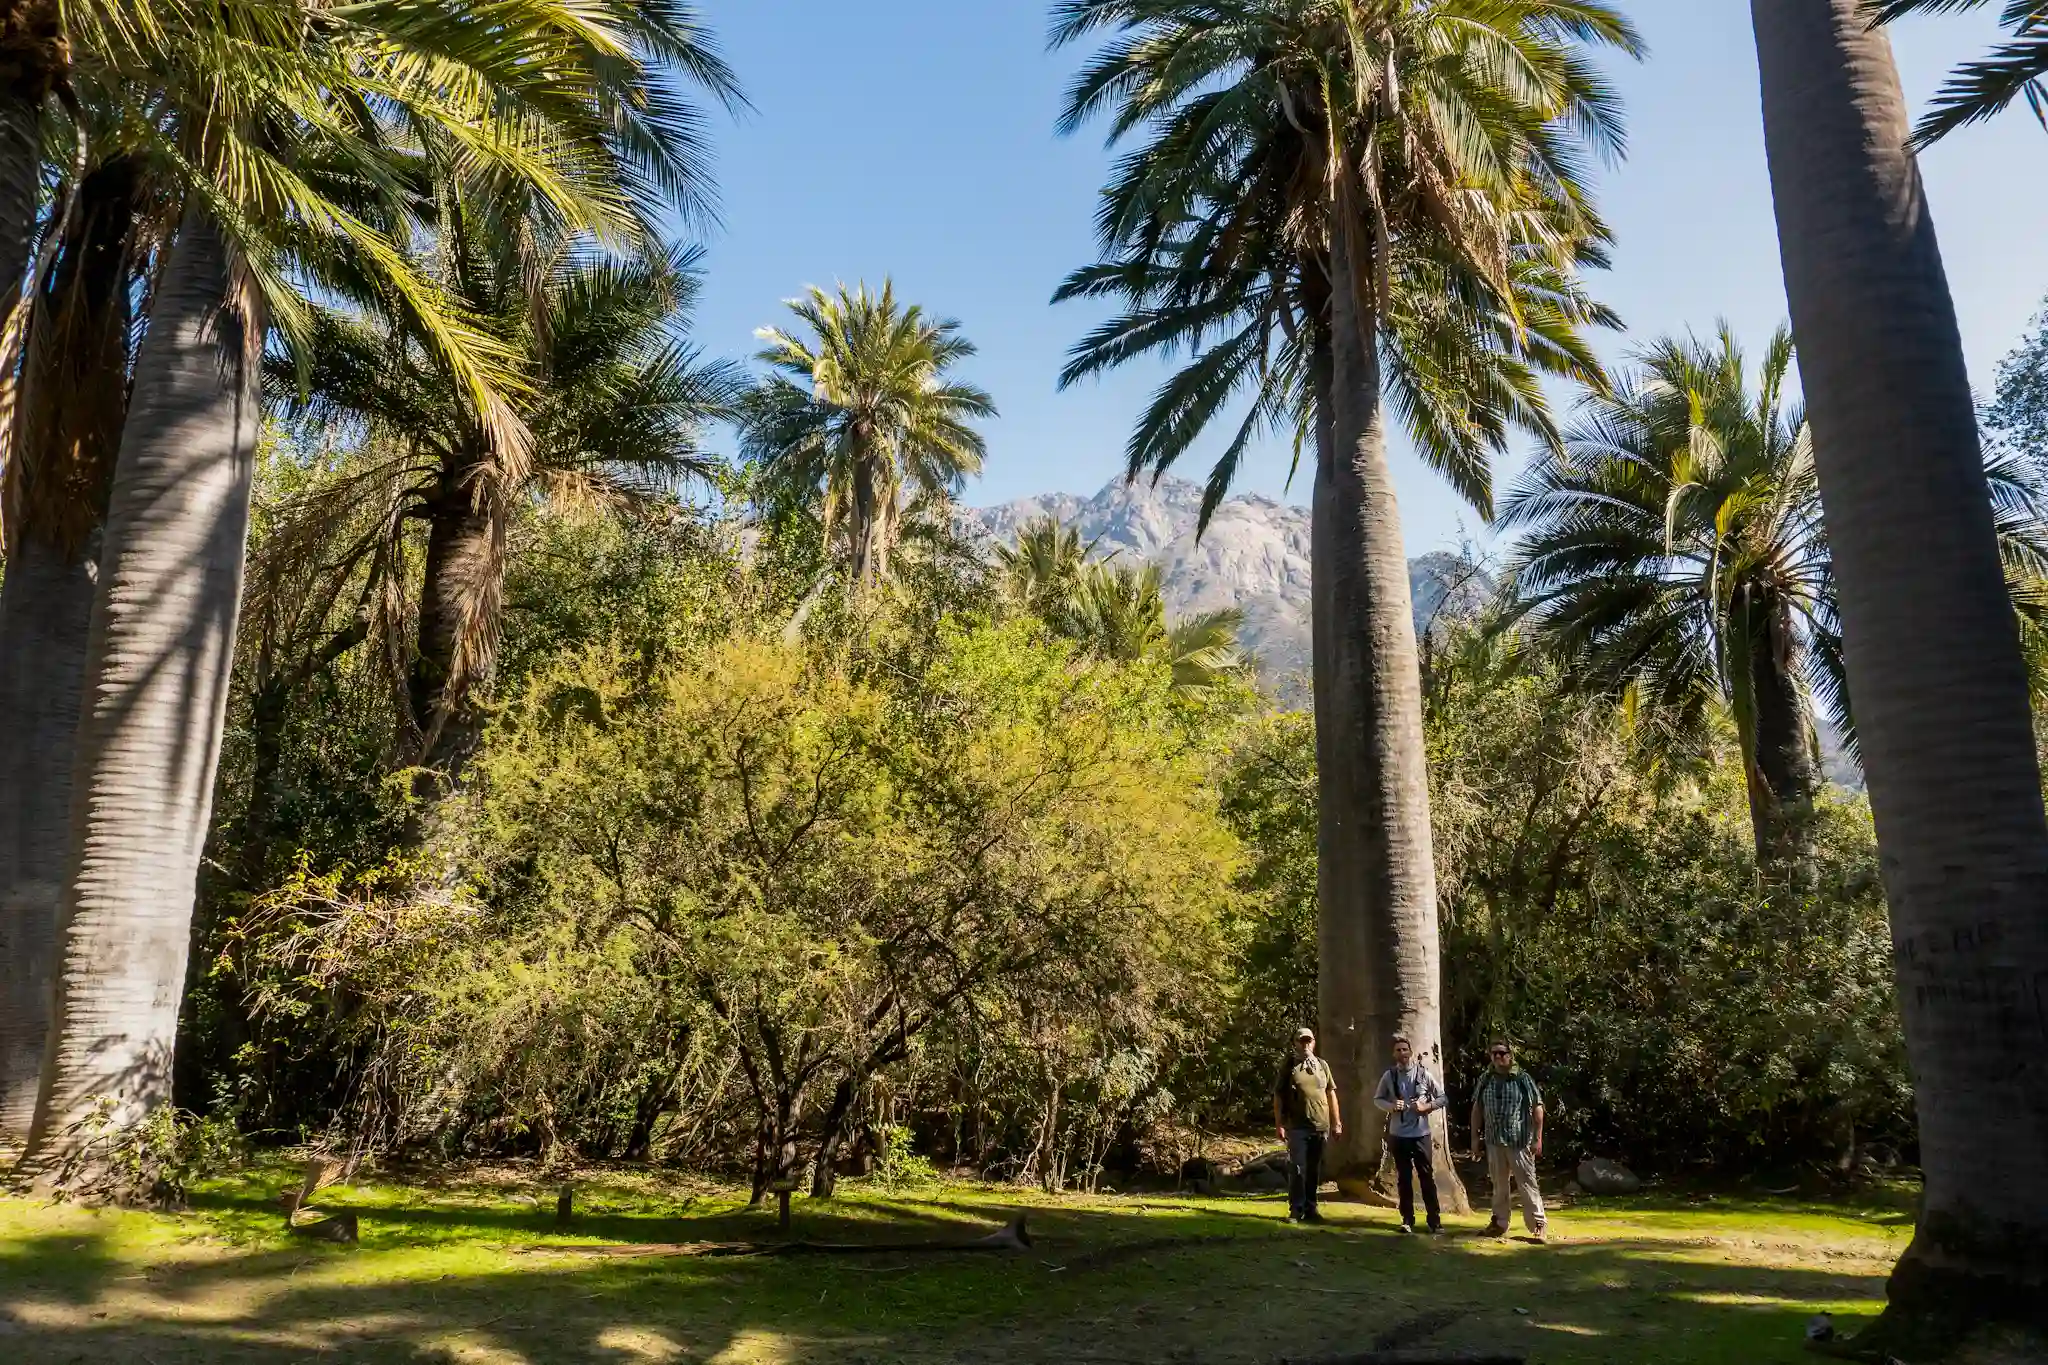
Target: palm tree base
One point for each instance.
(1979, 1297)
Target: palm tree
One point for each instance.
(1118, 611)
(1931, 654)
(616, 401)
(1040, 569)
(279, 156)
(1340, 205)
(865, 412)
(1114, 610)
(1674, 547)
(2017, 69)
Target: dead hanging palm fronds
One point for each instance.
(72, 394)
(334, 562)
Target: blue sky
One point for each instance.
(914, 139)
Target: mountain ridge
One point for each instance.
(1254, 556)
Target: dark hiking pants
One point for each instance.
(1414, 1163)
(1304, 1170)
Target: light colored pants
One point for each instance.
(1502, 1162)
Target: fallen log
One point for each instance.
(1010, 1237)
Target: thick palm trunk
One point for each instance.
(67, 427)
(457, 574)
(1379, 968)
(158, 659)
(863, 531)
(45, 609)
(1933, 660)
(1783, 777)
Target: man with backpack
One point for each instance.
(1305, 1114)
(1408, 1095)
(1507, 1115)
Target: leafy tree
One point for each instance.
(2016, 69)
(2016, 421)
(863, 413)
(1601, 908)
(1932, 659)
(1337, 204)
(766, 859)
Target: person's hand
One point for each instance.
(1400, 1106)
(1337, 1128)
(1280, 1131)
(1539, 1147)
(1475, 1151)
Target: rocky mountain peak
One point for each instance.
(1254, 556)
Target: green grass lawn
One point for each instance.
(472, 1270)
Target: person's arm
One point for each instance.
(1279, 1121)
(1478, 1125)
(1383, 1098)
(1280, 1084)
(1330, 1093)
(1538, 1150)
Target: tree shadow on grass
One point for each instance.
(1106, 1285)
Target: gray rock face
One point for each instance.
(1597, 1175)
(1254, 556)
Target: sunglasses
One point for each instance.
(1500, 1052)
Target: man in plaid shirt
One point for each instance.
(1507, 1115)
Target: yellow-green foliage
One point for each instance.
(743, 886)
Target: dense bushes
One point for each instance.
(753, 876)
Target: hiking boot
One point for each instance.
(1495, 1230)
(1407, 1229)
(1436, 1229)
(1312, 1217)
(1542, 1237)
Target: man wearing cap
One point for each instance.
(1306, 1115)
(1507, 1118)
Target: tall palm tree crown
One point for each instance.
(863, 413)
(1450, 168)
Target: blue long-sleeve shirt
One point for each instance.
(1410, 1083)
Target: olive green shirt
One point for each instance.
(1303, 1089)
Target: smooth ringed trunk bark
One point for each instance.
(73, 401)
(1933, 658)
(1379, 971)
(45, 610)
(159, 655)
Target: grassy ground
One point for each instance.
(473, 1271)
